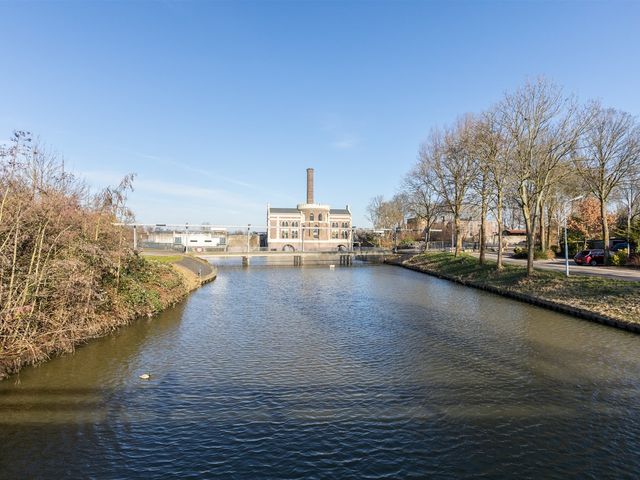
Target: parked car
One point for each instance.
(595, 256)
(620, 246)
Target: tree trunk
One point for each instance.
(458, 236)
(549, 217)
(530, 224)
(543, 235)
(499, 220)
(483, 222)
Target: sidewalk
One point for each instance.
(558, 265)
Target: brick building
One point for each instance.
(309, 226)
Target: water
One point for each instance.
(362, 372)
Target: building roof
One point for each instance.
(339, 211)
(284, 210)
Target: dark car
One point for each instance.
(595, 256)
(620, 246)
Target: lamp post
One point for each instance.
(566, 243)
(353, 234)
(395, 239)
(186, 236)
(135, 238)
(248, 236)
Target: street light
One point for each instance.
(566, 243)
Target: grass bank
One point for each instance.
(67, 269)
(147, 286)
(609, 301)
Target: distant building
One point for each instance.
(513, 236)
(198, 239)
(309, 226)
(442, 228)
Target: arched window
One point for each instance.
(319, 217)
(311, 217)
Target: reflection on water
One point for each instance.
(363, 372)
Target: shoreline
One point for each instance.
(171, 280)
(521, 296)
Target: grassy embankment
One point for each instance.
(615, 302)
(67, 270)
(146, 287)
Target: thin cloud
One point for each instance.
(342, 139)
(189, 168)
(176, 190)
(345, 143)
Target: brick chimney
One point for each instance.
(309, 185)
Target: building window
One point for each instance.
(334, 225)
(285, 234)
(319, 217)
(294, 224)
(285, 224)
(311, 217)
(294, 234)
(345, 224)
(316, 232)
(334, 234)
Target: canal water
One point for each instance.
(360, 372)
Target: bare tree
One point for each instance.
(450, 153)
(543, 126)
(610, 153)
(494, 156)
(421, 196)
(629, 200)
(373, 209)
(387, 214)
(486, 148)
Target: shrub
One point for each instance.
(619, 258)
(66, 271)
(537, 254)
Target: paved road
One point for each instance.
(200, 267)
(619, 273)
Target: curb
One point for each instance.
(539, 302)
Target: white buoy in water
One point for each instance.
(332, 267)
(145, 376)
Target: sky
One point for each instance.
(219, 107)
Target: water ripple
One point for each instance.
(309, 373)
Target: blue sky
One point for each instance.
(219, 107)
